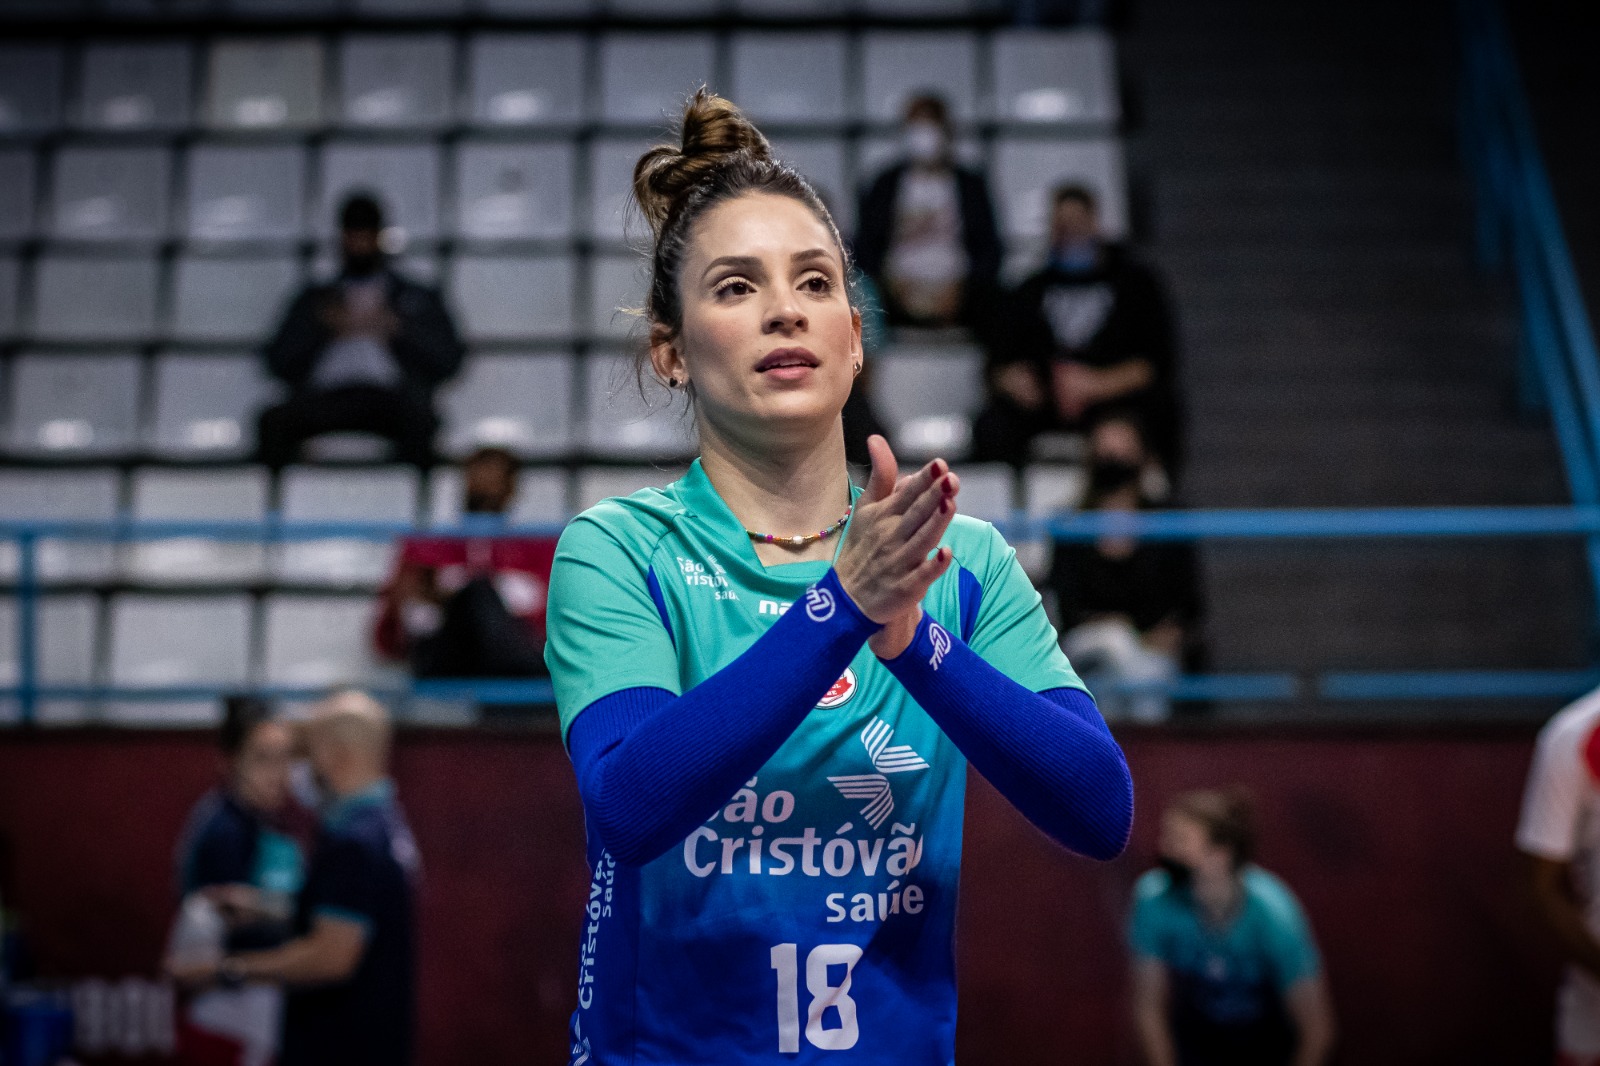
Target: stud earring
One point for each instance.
(858, 368)
(672, 383)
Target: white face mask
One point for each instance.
(924, 142)
(303, 785)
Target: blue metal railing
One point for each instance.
(1519, 226)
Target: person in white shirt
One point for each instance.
(1560, 833)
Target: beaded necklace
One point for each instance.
(800, 540)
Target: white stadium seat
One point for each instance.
(205, 406)
(124, 304)
(72, 406)
(618, 423)
(310, 494)
(236, 300)
(265, 83)
(404, 177)
(518, 401)
(165, 641)
(65, 646)
(84, 495)
(164, 495)
(396, 80)
(111, 193)
(243, 192)
(136, 85)
(527, 79)
(514, 191)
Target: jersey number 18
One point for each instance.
(823, 996)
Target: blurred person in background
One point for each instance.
(1092, 330)
(1559, 832)
(363, 353)
(1225, 969)
(1130, 609)
(470, 606)
(349, 971)
(927, 235)
(239, 869)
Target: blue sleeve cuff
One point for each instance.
(930, 643)
(827, 600)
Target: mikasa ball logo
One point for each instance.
(840, 693)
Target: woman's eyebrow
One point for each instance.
(810, 253)
(747, 263)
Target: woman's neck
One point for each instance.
(1219, 895)
(790, 487)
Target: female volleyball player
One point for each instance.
(771, 685)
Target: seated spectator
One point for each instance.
(362, 354)
(927, 234)
(1130, 609)
(238, 872)
(1225, 970)
(471, 606)
(1090, 331)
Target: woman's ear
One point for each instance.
(664, 358)
(856, 351)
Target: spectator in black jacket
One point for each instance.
(1130, 610)
(927, 234)
(1090, 332)
(363, 353)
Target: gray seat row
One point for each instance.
(388, 80)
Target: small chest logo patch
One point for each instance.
(840, 693)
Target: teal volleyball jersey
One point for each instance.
(811, 917)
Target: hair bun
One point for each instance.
(713, 134)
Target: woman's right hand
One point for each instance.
(885, 564)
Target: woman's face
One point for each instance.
(769, 339)
(261, 769)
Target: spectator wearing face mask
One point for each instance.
(473, 605)
(927, 236)
(1130, 609)
(363, 353)
(1090, 331)
(1225, 970)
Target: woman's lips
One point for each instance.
(788, 362)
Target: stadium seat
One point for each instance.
(512, 297)
(396, 80)
(405, 178)
(521, 191)
(527, 79)
(84, 495)
(898, 64)
(987, 491)
(596, 483)
(612, 216)
(1053, 77)
(616, 287)
(1026, 169)
(166, 641)
(790, 76)
(927, 396)
(65, 650)
(136, 85)
(246, 192)
(618, 423)
(265, 83)
(1048, 488)
(645, 77)
(30, 88)
(17, 205)
(74, 405)
(163, 495)
(110, 193)
(411, 8)
(522, 402)
(822, 161)
(541, 496)
(235, 300)
(309, 494)
(10, 295)
(205, 406)
(317, 641)
(124, 304)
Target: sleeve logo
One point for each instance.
(886, 759)
(940, 639)
(819, 604)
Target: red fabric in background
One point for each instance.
(1399, 845)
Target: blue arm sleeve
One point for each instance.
(1050, 754)
(651, 766)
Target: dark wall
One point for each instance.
(1398, 845)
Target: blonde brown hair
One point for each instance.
(1229, 815)
(720, 156)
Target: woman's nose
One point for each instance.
(785, 317)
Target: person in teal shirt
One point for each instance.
(1225, 969)
(770, 682)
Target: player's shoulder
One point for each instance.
(1573, 724)
(635, 523)
(1154, 889)
(975, 541)
(1271, 893)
